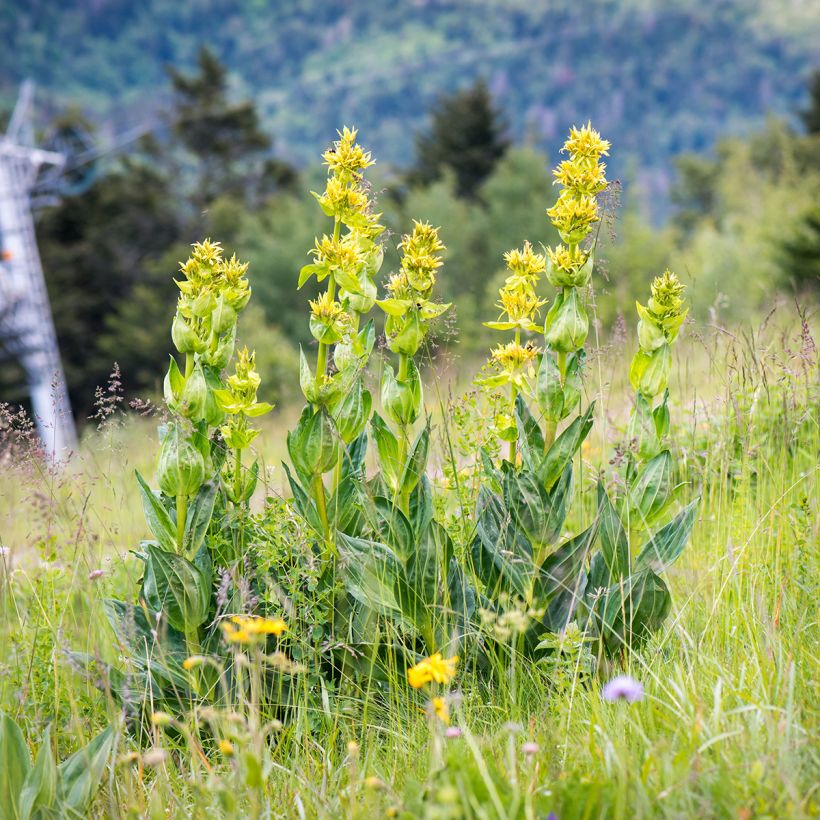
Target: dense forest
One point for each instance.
(657, 77)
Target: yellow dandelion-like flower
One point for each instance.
(246, 629)
(226, 747)
(435, 669)
(586, 143)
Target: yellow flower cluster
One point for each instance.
(435, 669)
(420, 257)
(345, 158)
(514, 357)
(582, 176)
(345, 197)
(250, 629)
(517, 297)
(208, 275)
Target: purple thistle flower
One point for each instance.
(623, 687)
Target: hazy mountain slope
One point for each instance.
(656, 77)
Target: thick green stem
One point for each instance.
(182, 515)
(513, 397)
(321, 506)
(321, 356)
(237, 474)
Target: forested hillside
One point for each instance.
(658, 78)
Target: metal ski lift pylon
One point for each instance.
(26, 324)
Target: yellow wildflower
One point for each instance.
(524, 262)
(573, 215)
(434, 669)
(518, 301)
(226, 747)
(420, 258)
(513, 356)
(191, 662)
(441, 710)
(564, 259)
(345, 158)
(581, 177)
(586, 143)
(245, 629)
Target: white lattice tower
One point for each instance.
(26, 324)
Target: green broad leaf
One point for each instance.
(39, 792)
(393, 527)
(176, 380)
(651, 491)
(303, 502)
(318, 270)
(492, 475)
(528, 502)
(561, 581)
(565, 447)
(421, 505)
(668, 542)
(353, 412)
(370, 571)
(313, 445)
(306, 380)
(250, 480)
(348, 281)
(394, 307)
(424, 566)
(643, 428)
(549, 393)
(200, 512)
(344, 509)
(177, 588)
(353, 456)
(614, 541)
(500, 325)
(260, 408)
(573, 381)
(159, 521)
(660, 415)
(501, 554)
(530, 439)
(462, 598)
(80, 775)
(15, 764)
(387, 446)
(149, 645)
(416, 462)
(629, 612)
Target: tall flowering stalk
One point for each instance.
(514, 363)
(347, 260)
(409, 311)
(626, 597)
(213, 292)
(569, 268)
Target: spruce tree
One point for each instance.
(467, 137)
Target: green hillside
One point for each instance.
(657, 78)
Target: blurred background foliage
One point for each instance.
(463, 105)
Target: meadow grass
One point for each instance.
(727, 727)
